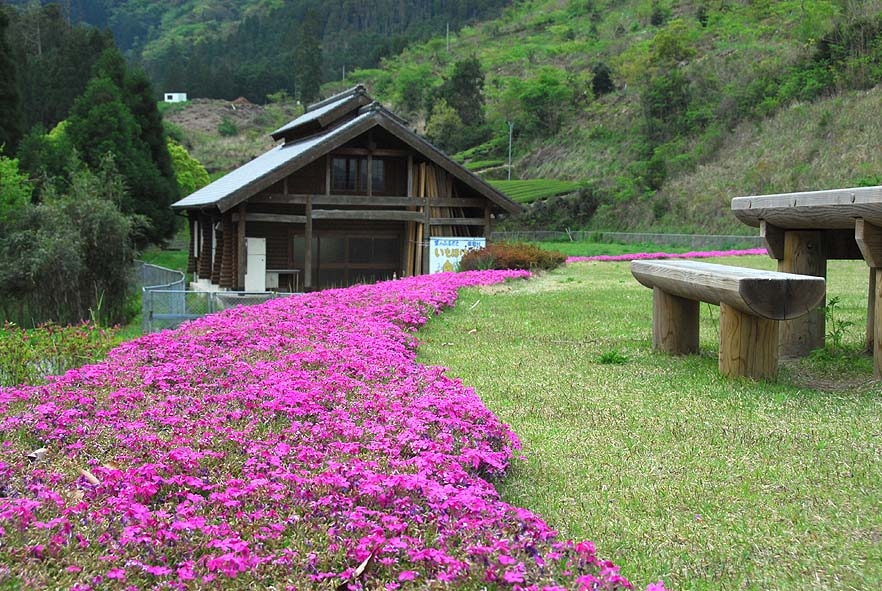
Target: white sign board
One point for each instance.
(444, 253)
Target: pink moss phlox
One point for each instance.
(668, 255)
(284, 444)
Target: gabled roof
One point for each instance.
(348, 120)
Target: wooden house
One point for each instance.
(349, 195)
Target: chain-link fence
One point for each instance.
(167, 308)
(684, 240)
(165, 303)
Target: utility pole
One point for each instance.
(448, 37)
(510, 130)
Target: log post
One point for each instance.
(218, 254)
(307, 247)
(241, 246)
(674, 323)
(227, 254)
(192, 249)
(203, 267)
(803, 254)
(748, 344)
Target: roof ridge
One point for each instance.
(354, 91)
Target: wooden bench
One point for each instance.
(752, 302)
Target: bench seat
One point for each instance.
(752, 303)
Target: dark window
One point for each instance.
(350, 174)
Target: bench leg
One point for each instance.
(674, 324)
(748, 345)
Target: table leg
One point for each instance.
(877, 338)
(803, 254)
(871, 311)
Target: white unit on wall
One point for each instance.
(255, 272)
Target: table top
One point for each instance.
(812, 210)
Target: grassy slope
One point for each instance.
(802, 147)
(675, 472)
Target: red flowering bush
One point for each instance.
(296, 444)
(511, 255)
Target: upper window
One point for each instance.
(350, 174)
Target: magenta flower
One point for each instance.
(668, 255)
(296, 444)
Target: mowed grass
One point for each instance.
(673, 471)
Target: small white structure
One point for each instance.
(176, 97)
(255, 273)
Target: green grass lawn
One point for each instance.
(673, 471)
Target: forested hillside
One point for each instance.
(251, 48)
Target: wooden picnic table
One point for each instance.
(805, 230)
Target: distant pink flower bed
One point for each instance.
(668, 255)
(296, 444)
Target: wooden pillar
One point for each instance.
(674, 323)
(427, 217)
(203, 267)
(307, 247)
(803, 254)
(227, 256)
(218, 254)
(241, 252)
(748, 344)
(192, 248)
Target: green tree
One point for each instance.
(11, 122)
(15, 189)
(445, 128)
(101, 123)
(189, 172)
(68, 259)
(464, 91)
(308, 58)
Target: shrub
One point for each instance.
(511, 255)
(227, 128)
(28, 356)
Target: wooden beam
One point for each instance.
(379, 152)
(869, 239)
(773, 239)
(457, 221)
(275, 218)
(363, 200)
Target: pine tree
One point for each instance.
(100, 123)
(11, 122)
(308, 58)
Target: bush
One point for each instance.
(28, 356)
(511, 255)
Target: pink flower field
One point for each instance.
(704, 254)
(293, 445)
